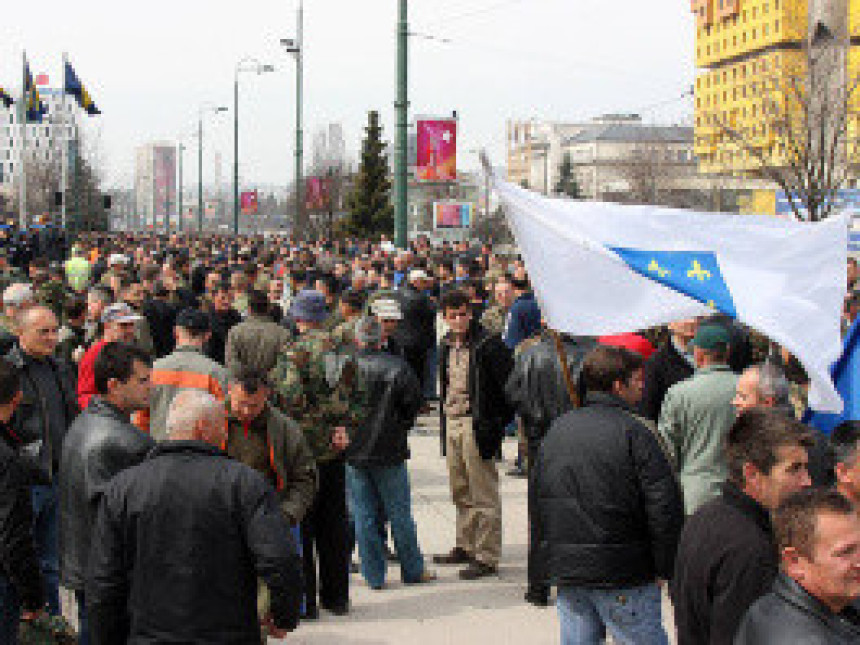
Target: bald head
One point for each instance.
(37, 331)
(195, 415)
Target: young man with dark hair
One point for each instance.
(609, 509)
(474, 367)
(818, 534)
(72, 338)
(21, 584)
(727, 555)
(222, 318)
(101, 442)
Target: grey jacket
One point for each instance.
(694, 419)
(255, 343)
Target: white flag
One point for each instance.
(600, 268)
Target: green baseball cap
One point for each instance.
(711, 337)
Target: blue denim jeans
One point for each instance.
(45, 502)
(633, 615)
(10, 612)
(390, 485)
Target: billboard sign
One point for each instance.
(248, 203)
(848, 199)
(317, 193)
(452, 214)
(437, 150)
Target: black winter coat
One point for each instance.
(726, 560)
(490, 366)
(788, 615)
(394, 397)
(660, 372)
(610, 510)
(179, 543)
(417, 330)
(100, 444)
(536, 387)
(18, 561)
(29, 427)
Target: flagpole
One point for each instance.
(22, 170)
(64, 159)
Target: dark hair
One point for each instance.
(844, 440)
(150, 273)
(794, 522)
(221, 286)
(116, 360)
(10, 381)
(455, 299)
(258, 303)
(755, 437)
(332, 284)
(105, 294)
(353, 299)
(604, 365)
(250, 379)
(75, 307)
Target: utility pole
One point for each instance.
(200, 173)
(402, 117)
(300, 54)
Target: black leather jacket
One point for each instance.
(536, 387)
(101, 443)
(29, 427)
(394, 396)
(788, 615)
(178, 546)
(18, 560)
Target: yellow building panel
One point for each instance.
(741, 27)
(854, 18)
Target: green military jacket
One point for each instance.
(317, 384)
(694, 419)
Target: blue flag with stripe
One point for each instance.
(846, 376)
(73, 86)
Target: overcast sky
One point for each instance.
(149, 66)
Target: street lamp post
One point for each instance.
(241, 66)
(296, 48)
(402, 140)
(203, 110)
(181, 152)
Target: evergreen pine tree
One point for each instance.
(567, 184)
(371, 211)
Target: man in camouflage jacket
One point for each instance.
(318, 386)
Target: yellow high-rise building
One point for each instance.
(749, 54)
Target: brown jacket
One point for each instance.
(255, 343)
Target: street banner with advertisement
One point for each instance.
(249, 203)
(452, 214)
(437, 150)
(317, 193)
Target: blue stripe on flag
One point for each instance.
(696, 274)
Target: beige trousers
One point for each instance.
(475, 492)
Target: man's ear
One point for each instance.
(792, 563)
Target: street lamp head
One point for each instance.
(221, 109)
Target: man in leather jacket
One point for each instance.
(376, 472)
(101, 442)
(538, 392)
(20, 578)
(38, 428)
(818, 532)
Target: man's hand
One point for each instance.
(340, 440)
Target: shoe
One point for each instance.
(537, 596)
(478, 570)
(337, 610)
(354, 567)
(426, 576)
(311, 613)
(456, 556)
(518, 472)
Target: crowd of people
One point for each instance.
(204, 438)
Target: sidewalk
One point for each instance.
(490, 611)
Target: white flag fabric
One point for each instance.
(600, 268)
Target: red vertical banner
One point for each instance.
(249, 203)
(437, 150)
